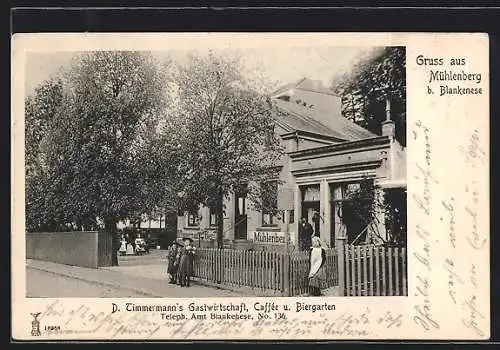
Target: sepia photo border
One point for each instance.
(411, 323)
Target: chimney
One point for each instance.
(388, 126)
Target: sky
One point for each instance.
(280, 65)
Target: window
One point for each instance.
(268, 219)
(213, 217)
(291, 214)
(354, 205)
(269, 192)
(192, 218)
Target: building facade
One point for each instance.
(329, 167)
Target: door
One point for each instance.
(309, 212)
(240, 218)
(310, 204)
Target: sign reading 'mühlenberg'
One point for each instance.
(268, 237)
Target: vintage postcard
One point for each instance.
(250, 186)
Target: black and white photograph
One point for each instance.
(216, 172)
(250, 186)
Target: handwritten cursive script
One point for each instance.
(474, 238)
(448, 206)
(453, 279)
(474, 316)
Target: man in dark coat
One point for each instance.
(174, 255)
(305, 234)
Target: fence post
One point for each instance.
(219, 264)
(286, 264)
(340, 244)
(286, 272)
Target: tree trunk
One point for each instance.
(220, 221)
(110, 227)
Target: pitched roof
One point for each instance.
(286, 88)
(298, 117)
(304, 84)
(314, 86)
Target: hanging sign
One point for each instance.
(268, 237)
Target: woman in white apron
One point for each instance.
(317, 274)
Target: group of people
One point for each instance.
(129, 246)
(308, 240)
(181, 262)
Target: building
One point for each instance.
(329, 160)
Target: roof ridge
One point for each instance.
(316, 86)
(288, 86)
(300, 81)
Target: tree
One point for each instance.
(160, 174)
(90, 146)
(41, 109)
(365, 204)
(229, 141)
(378, 75)
(375, 77)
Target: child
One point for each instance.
(123, 246)
(186, 262)
(173, 261)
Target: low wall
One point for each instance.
(79, 248)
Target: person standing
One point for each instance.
(186, 262)
(316, 219)
(123, 246)
(174, 254)
(132, 241)
(130, 248)
(305, 234)
(317, 274)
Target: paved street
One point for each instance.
(48, 285)
(154, 257)
(137, 276)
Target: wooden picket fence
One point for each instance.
(238, 268)
(263, 270)
(375, 271)
(299, 270)
(361, 270)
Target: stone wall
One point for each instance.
(79, 248)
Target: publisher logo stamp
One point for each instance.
(35, 325)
